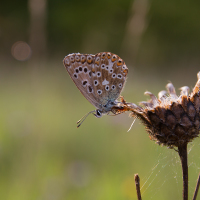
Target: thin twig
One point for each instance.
(137, 184)
(197, 188)
(182, 150)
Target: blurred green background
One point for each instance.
(43, 156)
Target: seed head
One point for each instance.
(170, 119)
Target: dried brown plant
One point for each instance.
(170, 120)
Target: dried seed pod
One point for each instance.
(172, 120)
(169, 119)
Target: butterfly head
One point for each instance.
(98, 113)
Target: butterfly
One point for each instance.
(100, 78)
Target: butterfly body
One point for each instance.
(100, 78)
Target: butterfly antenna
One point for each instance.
(79, 122)
(131, 124)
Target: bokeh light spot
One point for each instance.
(21, 51)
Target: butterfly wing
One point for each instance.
(110, 72)
(100, 78)
(79, 68)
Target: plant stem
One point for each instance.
(197, 188)
(182, 150)
(137, 184)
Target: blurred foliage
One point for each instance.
(174, 30)
(101, 20)
(44, 156)
(42, 153)
(171, 37)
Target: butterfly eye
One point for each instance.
(98, 113)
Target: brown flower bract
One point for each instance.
(170, 120)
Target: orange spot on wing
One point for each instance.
(125, 72)
(89, 61)
(109, 55)
(96, 62)
(83, 60)
(119, 62)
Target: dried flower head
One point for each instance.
(169, 119)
